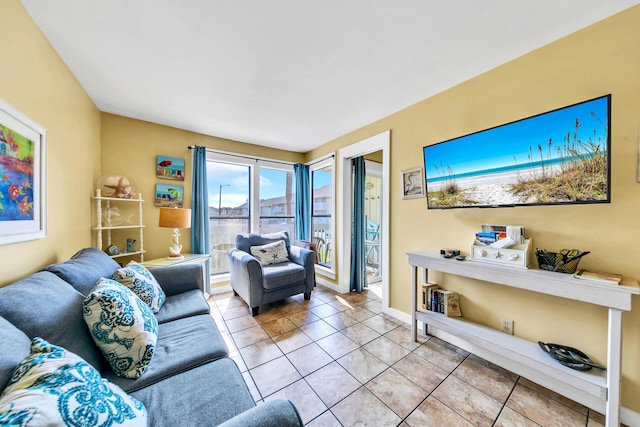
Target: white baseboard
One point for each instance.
(220, 289)
(629, 417)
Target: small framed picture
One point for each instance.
(169, 196)
(413, 183)
(170, 168)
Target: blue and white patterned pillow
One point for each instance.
(53, 386)
(140, 280)
(122, 326)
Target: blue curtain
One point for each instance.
(303, 202)
(358, 255)
(200, 209)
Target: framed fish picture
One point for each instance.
(22, 177)
(170, 168)
(169, 196)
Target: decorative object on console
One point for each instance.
(569, 356)
(175, 218)
(565, 261)
(514, 256)
(413, 183)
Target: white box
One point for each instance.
(515, 256)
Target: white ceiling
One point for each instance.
(292, 74)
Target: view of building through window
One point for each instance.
(229, 213)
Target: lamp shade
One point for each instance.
(175, 218)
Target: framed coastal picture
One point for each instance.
(169, 196)
(413, 183)
(22, 177)
(170, 168)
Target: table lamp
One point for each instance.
(175, 218)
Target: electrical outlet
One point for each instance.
(506, 325)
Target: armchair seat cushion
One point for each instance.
(283, 274)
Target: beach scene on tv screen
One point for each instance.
(552, 158)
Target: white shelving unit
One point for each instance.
(595, 389)
(107, 229)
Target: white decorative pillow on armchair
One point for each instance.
(272, 253)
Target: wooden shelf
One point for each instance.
(523, 357)
(595, 389)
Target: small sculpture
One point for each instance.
(130, 243)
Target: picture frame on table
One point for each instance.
(22, 177)
(413, 183)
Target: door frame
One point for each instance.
(379, 142)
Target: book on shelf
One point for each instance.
(427, 290)
(440, 300)
(450, 304)
(598, 276)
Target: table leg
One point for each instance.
(614, 360)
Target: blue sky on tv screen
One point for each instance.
(510, 144)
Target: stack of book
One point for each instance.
(440, 301)
(598, 277)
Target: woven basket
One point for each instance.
(553, 261)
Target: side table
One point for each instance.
(188, 259)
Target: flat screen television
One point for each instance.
(554, 158)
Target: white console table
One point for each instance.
(594, 388)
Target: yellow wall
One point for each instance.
(34, 80)
(130, 148)
(601, 59)
(598, 60)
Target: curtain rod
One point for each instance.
(191, 147)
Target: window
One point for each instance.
(237, 185)
(229, 209)
(322, 210)
(277, 201)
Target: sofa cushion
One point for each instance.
(182, 345)
(137, 278)
(84, 269)
(52, 386)
(122, 325)
(189, 303)
(216, 393)
(44, 305)
(245, 241)
(271, 253)
(284, 274)
(15, 347)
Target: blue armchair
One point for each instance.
(258, 283)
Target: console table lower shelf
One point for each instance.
(523, 358)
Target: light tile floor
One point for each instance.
(344, 363)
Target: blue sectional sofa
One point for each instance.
(190, 380)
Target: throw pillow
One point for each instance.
(140, 280)
(122, 326)
(53, 386)
(272, 253)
